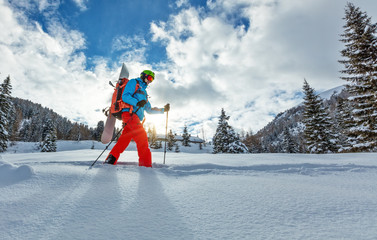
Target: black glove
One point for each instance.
(167, 107)
(141, 103)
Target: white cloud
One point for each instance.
(45, 7)
(132, 49)
(81, 4)
(48, 68)
(182, 3)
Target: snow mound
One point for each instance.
(10, 174)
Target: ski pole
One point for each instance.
(166, 134)
(112, 140)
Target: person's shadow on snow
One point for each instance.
(157, 218)
(100, 212)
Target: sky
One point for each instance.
(249, 57)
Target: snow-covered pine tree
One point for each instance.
(342, 124)
(25, 130)
(318, 131)
(225, 139)
(171, 140)
(360, 69)
(48, 143)
(186, 137)
(5, 108)
(288, 143)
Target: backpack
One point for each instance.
(117, 103)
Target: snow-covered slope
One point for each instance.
(195, 196)
(327, 94)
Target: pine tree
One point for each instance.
(24, 132)
(15, 119)
(74, 133)
(48, 143)
(98, 131)
(343, 123)
(225, 139)
(288, 143)
(318, 134)
(171, 140)
(360, 69)
(186, 137)
(5, 108)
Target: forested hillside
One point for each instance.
(27, 120)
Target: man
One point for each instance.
(136, 98)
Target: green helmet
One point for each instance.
(146, 73)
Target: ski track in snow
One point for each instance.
(208, 168)
(195, 196)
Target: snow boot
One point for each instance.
(111, 160)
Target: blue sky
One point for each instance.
(116, 18)
(101, 21)
(249, 57)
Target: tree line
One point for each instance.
(23, 120)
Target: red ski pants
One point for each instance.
(133, 130)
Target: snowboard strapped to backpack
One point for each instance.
(117, 103)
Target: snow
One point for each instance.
(27, 147)
(194, 196)
(10, 174)
(327, 94)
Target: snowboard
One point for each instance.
(108, 130)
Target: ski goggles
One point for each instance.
(149, 78)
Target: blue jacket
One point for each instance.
(131, 97)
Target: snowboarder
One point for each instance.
(132, 119)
